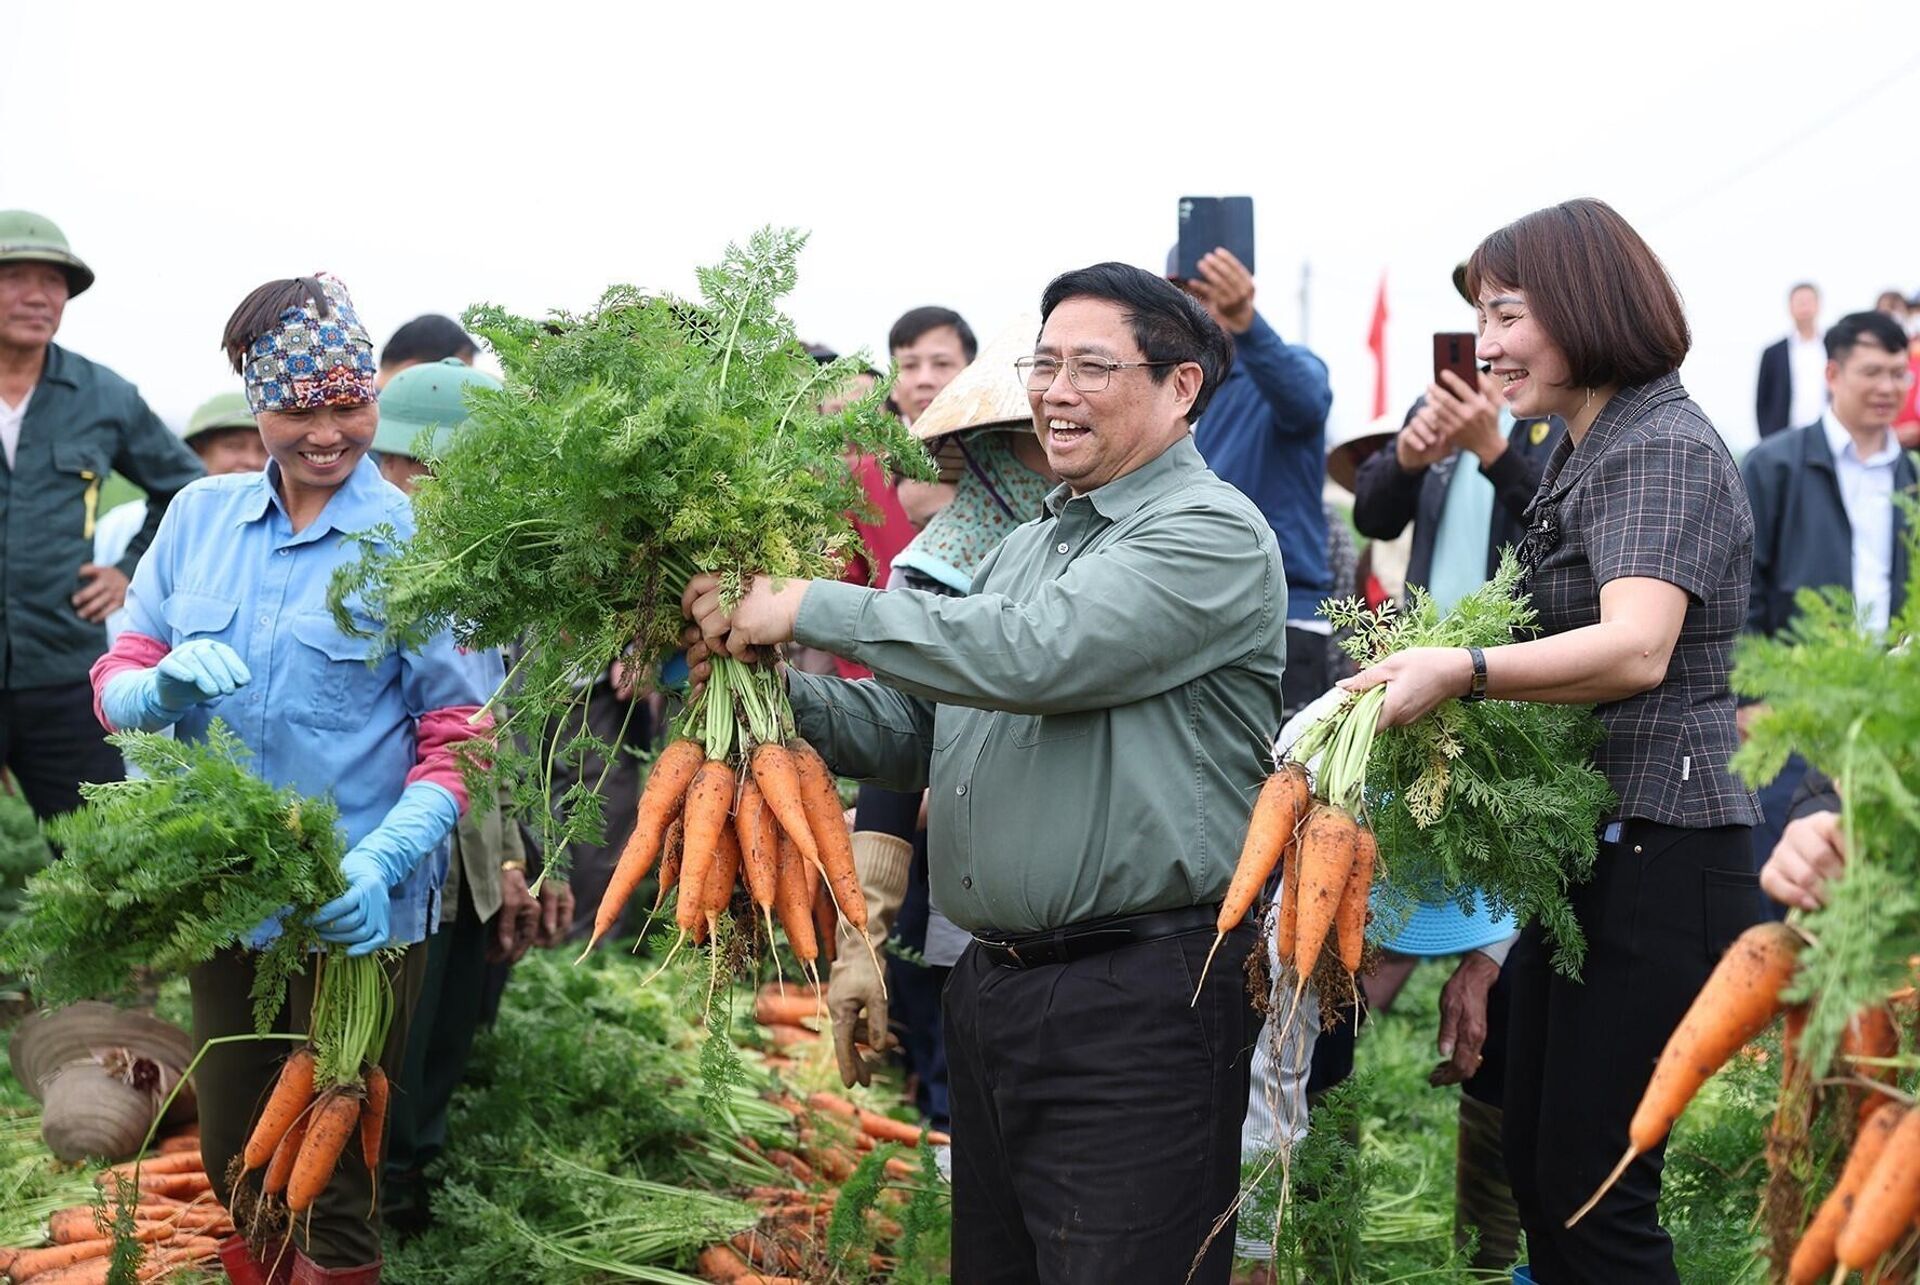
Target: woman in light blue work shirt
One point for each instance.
(228, 618)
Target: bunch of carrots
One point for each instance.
(1325, 852)
(831, 1134)
(328, 1089)
(175, 1218)
(1873, 1206)
(738, 801)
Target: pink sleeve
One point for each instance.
(437, 736)
(130, 651)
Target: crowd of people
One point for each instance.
(1057, 672)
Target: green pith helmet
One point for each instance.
(428, 396)
(26, 235)
(222, 410)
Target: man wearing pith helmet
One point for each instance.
(65, 424)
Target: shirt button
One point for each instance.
(1062, 547)
(285, 552)
(266, 620)
(961, 790)
(966, 881)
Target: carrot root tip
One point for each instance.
(1605, 1187)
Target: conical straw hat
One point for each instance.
(45, 1042)
(989, 392)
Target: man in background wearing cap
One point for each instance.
(65, 424)
(488, 919)
(1265, 435)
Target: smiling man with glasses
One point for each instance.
(1095, 715)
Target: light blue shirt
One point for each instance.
(317, 715)
(1466, 518)
(1866, 490)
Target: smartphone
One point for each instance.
(1209, 223)
(1453, 350)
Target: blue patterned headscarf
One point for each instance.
(307, 360)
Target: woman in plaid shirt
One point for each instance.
(1638, 554)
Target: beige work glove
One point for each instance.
(856, 990)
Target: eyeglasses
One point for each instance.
(1088, 374)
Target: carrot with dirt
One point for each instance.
(1269, 831)
(1814, 1257)
(373, 1126)
(669, 863)
(1326, 860)
(777, 772)
(1740, 998)
(793, 901)
(280, 1168)
(1350, 921)
(827, 816)
(722, 875)
(667, 784)
(34, 1262)
(759, 849)
(291, 1096)
(160, 1162)
(888, 1129)
(334, 1118)
(1888, 1200)
(793, 1010)
(1870, 1036)
(708, 807)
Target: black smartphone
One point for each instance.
(1453, 350)
(1209, 223)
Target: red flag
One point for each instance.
(1377, 344)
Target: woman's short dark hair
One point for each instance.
(906, 332)
(1596, 289)
(260, 312)
(429, 338)
(1167, 324)
(1876, 326)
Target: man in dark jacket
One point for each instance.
(1823, 506)
(1265, 435)
(65, 424)
(1791, 389)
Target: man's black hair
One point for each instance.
(906, 332)
(1167, 323)
(1878, 326)
(429, 338)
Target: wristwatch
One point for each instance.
(1478, 691)
(513, 863)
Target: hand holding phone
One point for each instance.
(1210, 223)
(1453, 350)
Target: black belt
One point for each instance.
(1094, 937)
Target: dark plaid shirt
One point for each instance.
(1652, 492)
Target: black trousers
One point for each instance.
(234, 1080)
(453, 996)
(1096, 1117)
(590, 867)
(1309, 670)
(1663, 905)
(51, 742)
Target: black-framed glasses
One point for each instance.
(1088, 374)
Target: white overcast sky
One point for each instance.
(959, 153)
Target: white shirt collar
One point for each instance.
(1840, 442)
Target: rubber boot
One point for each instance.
(242, 1268)
(308, 1272)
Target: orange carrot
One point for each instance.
(709, 802)
(1813, 1258)
(291, 1095)
(777, 773)
(888, 1129)
(793, 1009)
(1287, 922)
(1870, 1033)
(280, 1168)
(828, 818)
(179, 1142)
(333, 1120)
(759, 849)
(722, 875)
(792, 900)
(1326, 859)
(1268, 829)
(181, 1186)
(1887, 1201)
(825, 922)
(667, 783)
(833, 1104)
(160, 1162)
(670, 862)
(1740, 997)
(792, 1164)
(1350, 922)
(373, 1124)
(35, 1261)
(721, 1265)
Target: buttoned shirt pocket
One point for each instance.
(1028, 730)
(80, 468)
(335, 683)
(190, 615)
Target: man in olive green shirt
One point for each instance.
(66, 423)
(1092, 721)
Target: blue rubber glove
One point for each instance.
(189, 675)
(357, 918)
